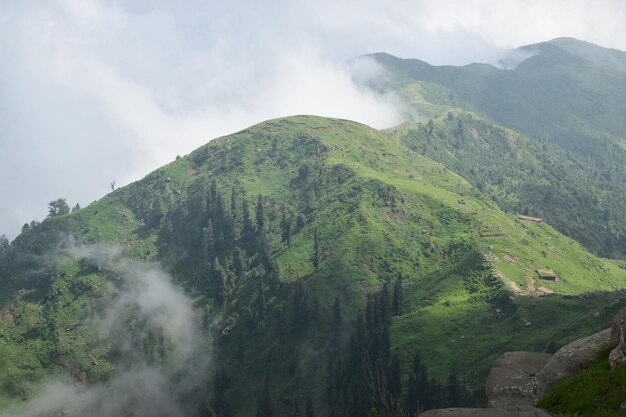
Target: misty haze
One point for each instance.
(363, 209)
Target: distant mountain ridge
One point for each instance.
(599, 55)
(566, 96)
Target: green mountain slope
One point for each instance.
(566, 100)
(526, 176)
(304, 242)
(612, 58)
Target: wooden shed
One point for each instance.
(530, 219)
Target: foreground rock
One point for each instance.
(617, 356)
(487, 412)
(616, 325)
(570, 360)
(511, 379)
(518, 379)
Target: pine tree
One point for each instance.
(423, 387)
(316, 249)
(411, 396)
(157, 212)
(397, 298)
(385, 344)
(261, 218)
(248, 232)
(300, 222)
(272, 273)
(309, 200)
(385, 308)
(417, 364)
(454, 389)
(264, 402)
(336, 316)
(285, 227)
(212, 196)
(433, 395)
(395, 384)
(371, 314)
(460, 129)
(4, 243)
(239, 266)
(300, 308)
(233, 202)
(208, 240)
(219, 279)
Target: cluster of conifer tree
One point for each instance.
(368, 378)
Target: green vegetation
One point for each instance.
(307, 241)
(568, 163)
(525, 176)
(598, 391)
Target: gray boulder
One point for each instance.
(570, 360)
(487, 412)
(510, 380)
(617, 356)
(615, 326)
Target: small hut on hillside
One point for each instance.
(530, 219)
(547, 274)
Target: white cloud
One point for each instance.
(148, 388)
(95, 90)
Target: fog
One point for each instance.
(93, 91)
(149, 388)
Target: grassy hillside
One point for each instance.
(304, 242)
(564, 100)
(526, 176)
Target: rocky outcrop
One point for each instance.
(487, 412)
(570, 360)
(511, 379)
(617, 356)
(619, 318)
(521, 378)
(518, 379)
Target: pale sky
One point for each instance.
(93, 91)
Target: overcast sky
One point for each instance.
(93, 91)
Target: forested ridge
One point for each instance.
(564, 98)
(529, 177)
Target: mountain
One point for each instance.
(612, 58)
(563, 98)
(302, 266)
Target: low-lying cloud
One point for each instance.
(92, 92)
(138, 386)
(515, 57)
